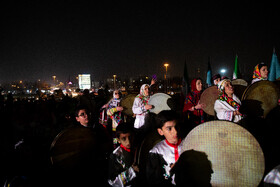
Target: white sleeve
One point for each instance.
(222, 112)
(138, 107)
(123, 178)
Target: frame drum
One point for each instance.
(147, 144)
(208, 97)
(127, 103)
(160, 102)
(239, 86)
(263, 92)
(236, 156)
(73, 147)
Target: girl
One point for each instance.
(140, 106)
(192, 107)
(260, 73)
(114, 111)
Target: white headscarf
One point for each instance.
(221, 84)
(114, 102)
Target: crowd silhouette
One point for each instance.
(30, 125)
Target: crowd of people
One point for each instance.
(29, 128)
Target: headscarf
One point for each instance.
(221, 85)
(114, 102)
(145, 99)
(194, 92)
(224, 97)
(257, 73)
(192, 99)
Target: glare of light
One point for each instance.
(223, 70)
(166, 65)
(74, 94)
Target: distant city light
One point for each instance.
(84, 81)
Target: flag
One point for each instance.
(209, 74)
(274, 70)
(236, 73)
(185, 82)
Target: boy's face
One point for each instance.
(169, 132)
(83, 118)
(126, 140)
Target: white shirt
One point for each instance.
(169, 153)
(139, 110)
(225, 112)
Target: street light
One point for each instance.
(114, 81)
(54, 77)
(166, 66)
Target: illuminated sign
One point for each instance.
(84, 81)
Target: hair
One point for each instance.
(123, 128)
(216, 76)
(165, 116)
(80, 107)
(193, 168)
(261, 65)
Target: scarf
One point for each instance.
(257, 73)
(224, 97)
(144, 99)
(194, 98)
(127, 149)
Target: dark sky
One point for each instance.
(64, 38)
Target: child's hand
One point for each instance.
(199, 105)
(105, 106)
(135, 168)
(153, 81)
(148, 107)
(119, 108)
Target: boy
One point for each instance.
(165, 153)
(122, 170)
(82, 116)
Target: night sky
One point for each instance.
(64, 38)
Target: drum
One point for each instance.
(277, 83)
(127, 103)
(150, 140)
(160, 101)
(236, 156)
(240, 86)
(72, 147)
(241, 82)
(208, 97)
(260, 96)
